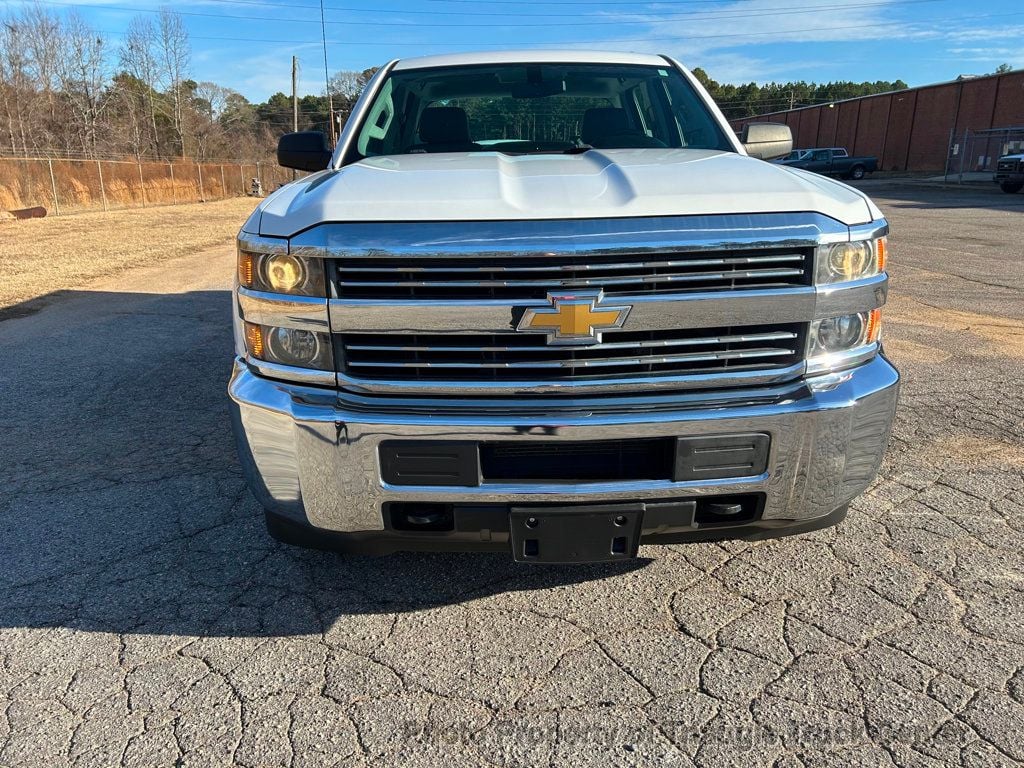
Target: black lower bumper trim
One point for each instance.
(468, 464)
(391, 541)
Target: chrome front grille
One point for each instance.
(510, 358)
(1006, 165)
(432, 307)
(531, 276)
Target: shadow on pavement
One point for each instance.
(916, 195)
(124, 508)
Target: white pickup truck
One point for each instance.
(547, 303)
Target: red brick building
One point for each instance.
(911, 130)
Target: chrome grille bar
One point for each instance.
(775, 336)
(513, 359)
(579, 282)
(354, 265)
(586, 363)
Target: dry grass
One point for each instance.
(39, 256)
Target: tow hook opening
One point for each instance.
(421, 516)
(727, 510)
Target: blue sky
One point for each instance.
(247, 44)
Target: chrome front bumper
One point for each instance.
(310, 456)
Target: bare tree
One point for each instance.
(83, 78)
(174, 55)
(61, 93)
(16, 86)
(138, 59)
(346, 87)
(43, 37)
(209, 102)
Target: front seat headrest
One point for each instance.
(444, 125)
(601, 122)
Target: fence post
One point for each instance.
(53, 186)
(202, 195)
(963, 154)
(258, 177)
(223, 184)
(142, 184)
(174, 188)
(241, 175)
(949, 155)
(103, 191)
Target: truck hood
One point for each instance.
(594, 184)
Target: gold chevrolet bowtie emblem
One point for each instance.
(573, 318)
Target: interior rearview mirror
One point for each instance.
(767, 140)
(304, 151)
(538, 90)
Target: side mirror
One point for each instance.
(767, 140)
(304, 151)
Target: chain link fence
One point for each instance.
(62, 186)
(973, 154)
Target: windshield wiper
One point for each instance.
(577, 150)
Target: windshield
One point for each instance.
(536, 108)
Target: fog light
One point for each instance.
(292, 346)
(840, 342)
(836, 334)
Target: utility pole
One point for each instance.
(295, 101)
(791, 98)
(295, 95)
(327, 76)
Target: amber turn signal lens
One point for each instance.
(246, 268)
(254, 339)
(874, 325)
(881, 252)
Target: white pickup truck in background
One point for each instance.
(547, 303)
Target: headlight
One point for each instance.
(845, 340)
(289, 346)
(281, 273)
(843, 262)
(284, 273)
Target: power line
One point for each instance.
(614, 41)
(516, 14)
(696, 15)
(585, 2)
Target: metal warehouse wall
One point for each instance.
(907, 130)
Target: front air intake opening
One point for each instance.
(577, 462)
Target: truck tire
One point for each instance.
(1009, 187)
(857, 172)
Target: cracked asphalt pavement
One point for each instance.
(147, 620)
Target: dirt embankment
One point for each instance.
(80, 185)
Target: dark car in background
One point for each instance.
(1009, 173)
(831, 161)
